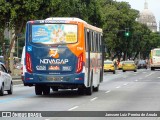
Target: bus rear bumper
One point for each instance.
(54, 80)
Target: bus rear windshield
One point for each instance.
(156, 52)
(54, 33)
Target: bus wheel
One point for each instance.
(89, 90)
(38, 89)
(54, 88)
(80, 91)
(46, 90)
(96, 89)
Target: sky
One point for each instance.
(153, 5)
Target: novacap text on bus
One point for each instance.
(63, 53)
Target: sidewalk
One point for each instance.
(16, 74)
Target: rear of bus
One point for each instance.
(54, 54)
(155, 59)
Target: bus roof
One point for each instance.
(74, 19)
(67, 19)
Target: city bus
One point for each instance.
(155, 59)
(63, 53)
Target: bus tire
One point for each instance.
(152, 68)
(54, 88)
(46, 90)
(38, 89)
(89, 90)
(81, 91)
(96, 89)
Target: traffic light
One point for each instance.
(126, 32)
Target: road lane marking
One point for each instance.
(158, 77)
(108, 91)
(93, 99)
(118, 87)
(73, 108)
(125, 84)
(16, 98)
(136, 80)
(149, 74)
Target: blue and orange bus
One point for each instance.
(63, 53)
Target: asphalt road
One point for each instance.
(122, 92)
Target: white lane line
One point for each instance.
(125, 84)
(93, 99)
(158, 77)
(136, 80)
(149, 74)
(73, 108)
(108, 91)
(118, 87)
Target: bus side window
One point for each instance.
(95, 42)
(100, 42)
(86, 39)
(91, 41)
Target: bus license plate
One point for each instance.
(54, 78)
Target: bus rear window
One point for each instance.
(156, 52)
(54, 33)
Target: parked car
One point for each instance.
(109, 66)
(142, 64)
(6, 83)
(129, 66)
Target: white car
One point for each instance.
(6, 83)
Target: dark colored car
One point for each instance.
(142, 64)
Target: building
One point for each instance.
(147, 17)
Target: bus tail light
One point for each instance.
(28, 63)
(79, 63)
